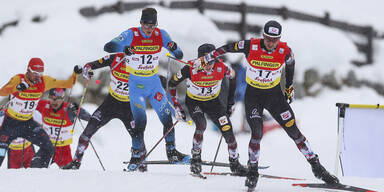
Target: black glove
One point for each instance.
(129, 50)
(22, 86)
(78, 69)
(172, 46)
(74, 106)
(230, 108)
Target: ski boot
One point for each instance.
(175, 156)
(252, 176)
(75, 165)
(136, 161)
(236, 167)
(196, 161)
(321, 173)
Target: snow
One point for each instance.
(65, 39)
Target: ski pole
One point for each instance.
(217, 152)
(81, 103)
(179, 60)
(168, 72)
(165, 134)
(97, 155)
(61, 125)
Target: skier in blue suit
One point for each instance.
(142, 46)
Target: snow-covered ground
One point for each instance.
(65, 39)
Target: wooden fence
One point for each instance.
(243, 28)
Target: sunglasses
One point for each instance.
(56, 98)
(149, 26)
(37, 73)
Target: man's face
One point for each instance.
(270, 42)
(148, 28)
(34, 76)
(56, 102)
(209, 66)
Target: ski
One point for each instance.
(208, 163)
(199, 175)
(335, 186)
(261, 175)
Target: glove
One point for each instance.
(289, 94)
(207, 59)
(87, 72)
(230, 108)
(179, 112)
(22, 86)
(129, 50)
(172, 46)
(78, 69)
(74, 106)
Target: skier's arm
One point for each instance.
(289, 68)
(242, 46)
(166, 40)
(54, 83)
(84, 115)
(10, 87)
(117, 44)
(179, 77)
(232, 85)
(102, 62)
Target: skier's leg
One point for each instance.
(163, 109)
(200, 121)
(217, 112)
(103, 114)
(253, 112)
(283, 114)
(36, 134)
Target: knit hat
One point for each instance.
(205, 49)
(272, 29)
(57, 92)
(36, 65)
(149, 16)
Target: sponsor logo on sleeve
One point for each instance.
(285, 115)
(241, 44)
(290, 123)
(226, 128)
(158, 96)
(223, 120)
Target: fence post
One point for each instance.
(200, 6)
(369, 51)
(243, 23)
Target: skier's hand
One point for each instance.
(179, 111)
(129, 50)
(87, 72)
(230, 108)
(172, 46)
(289, 94)
(78, 69)
(74, 106)
(22, 86)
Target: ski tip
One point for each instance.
(299, 184)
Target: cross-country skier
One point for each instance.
(26, 91)
(115, 105)
(142, 45)
(266, 58)
(203, 89)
